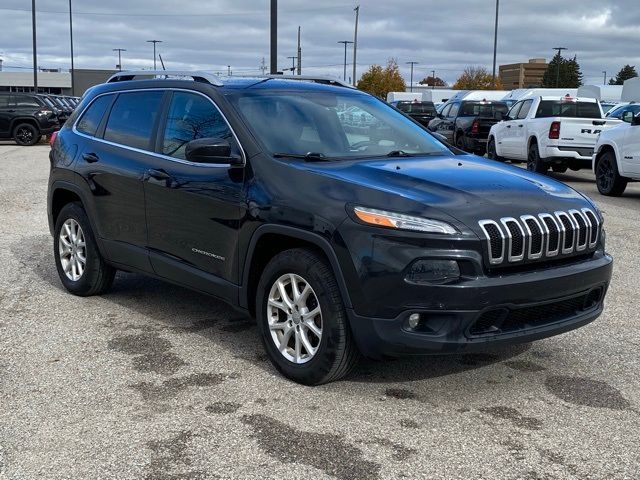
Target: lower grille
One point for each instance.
(507, 320)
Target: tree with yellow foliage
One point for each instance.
(477, 78)
(379, 81)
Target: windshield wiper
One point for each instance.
(309, 156)
(402, 153)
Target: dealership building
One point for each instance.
(523, 75)
(53, 81)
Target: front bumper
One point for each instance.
(533, 305)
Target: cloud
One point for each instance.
(445, 36)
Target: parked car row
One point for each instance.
(26, 117)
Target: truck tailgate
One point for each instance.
(582, 131)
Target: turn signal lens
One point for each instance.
(382, 218)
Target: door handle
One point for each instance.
(158, 174)
(520, 126)
(90, 157)
(508, 126)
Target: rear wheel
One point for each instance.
(303, 320)
(81, 268)
(534, 162)
(491, 151)
(608, 179)
(26, 134)
(460, 142)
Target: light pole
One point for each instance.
(274, 37)
(495, 46)
(411, 81)
(119, 50)
(346, 42)
(154, 50)
(293, 64)
(355, 45)
(559, 49)
(433, 77)
(73, 88)
(35, 55)
(604, 82)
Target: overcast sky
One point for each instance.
(441, 35)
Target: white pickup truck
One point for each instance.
(556, 132)
(616, 159)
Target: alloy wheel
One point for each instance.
(24, 134)
(295, 318)
(72, 249)
(604, 175)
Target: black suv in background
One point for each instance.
(379, 240)
(466, 123)
(421, 112)
(25, 117)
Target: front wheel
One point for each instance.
(81, 268)
(303, 320)
(608, 179)
(534, 162)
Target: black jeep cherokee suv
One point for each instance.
(339, 241)
(25, 117)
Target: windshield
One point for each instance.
(482, 109)
(417, 107)
(568, 108)
(331, 124)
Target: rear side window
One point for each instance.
(617, 113)
(190, 117)
(25, 101)
(568, 108)
(524, 111)
(90, 120)
(132, 118)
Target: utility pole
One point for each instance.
(559, 49)
(154, 50)
(495, 46)
(35, 54)
(274, 37)
(293, 64)
(346, 42)
(228, 70)
(433, 77)
(604, 82)
(411, 82)
(119, 50)
(73, 88)
(299, 53)
(355, 45)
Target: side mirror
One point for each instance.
(635, 120)
(211, 150)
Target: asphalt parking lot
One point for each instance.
(153, 381)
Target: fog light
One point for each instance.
(433, 271)
(414, 320)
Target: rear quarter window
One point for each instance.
(91, 118)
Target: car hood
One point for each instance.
(465, 187)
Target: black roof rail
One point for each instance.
(313, 78)
(202, 77)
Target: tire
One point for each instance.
(94, 276)
(534, 162)
(460, 142)
(492, 152)
(26, 134)
(608, 179)
(333, 353)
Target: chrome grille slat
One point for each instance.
(545, 235)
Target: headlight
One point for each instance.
(399, 221)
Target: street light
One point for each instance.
(119, 50)
(559, 49)
(293, 64)
(154, 50)
(495, 46)
(433, 78)
(344, 74)
(411, 82)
